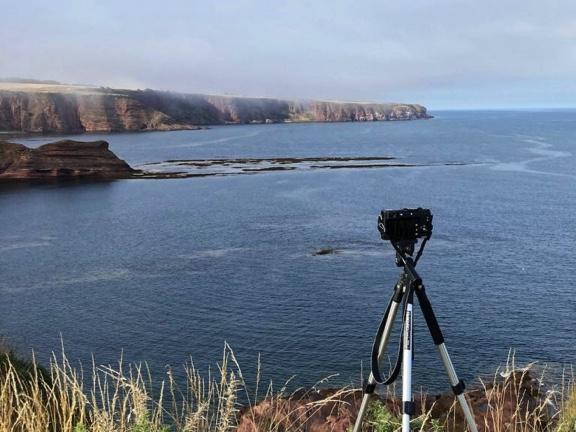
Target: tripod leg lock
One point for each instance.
(459, 388)
(409, 408)
(370, 388)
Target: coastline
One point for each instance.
(84, 160)
(30, 134)
(69, 110)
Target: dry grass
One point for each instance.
(124, 398)
(117, 399)
(512, 400)
(567, 416)
(515, 400)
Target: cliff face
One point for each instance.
(70, 113)
(206, 110)
(36, 108)
(62, 159)
(336, 112)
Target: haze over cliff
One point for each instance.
(57, 108)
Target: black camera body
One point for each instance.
(405, 224)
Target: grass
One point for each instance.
(125, 398)
(113, 399)
(515, 400)
(567, 421)
(122, 399)
(380, 419)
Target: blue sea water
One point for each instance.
(161, 270)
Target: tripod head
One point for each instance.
(404, 248)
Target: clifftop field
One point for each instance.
(57, 108)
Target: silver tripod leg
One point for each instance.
(407, 403)
(438, 338)
(381, 350)
(455, 382)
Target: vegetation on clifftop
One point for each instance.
(567, 422)
(126, 399)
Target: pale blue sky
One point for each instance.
(441, 53)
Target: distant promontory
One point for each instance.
(45, 107)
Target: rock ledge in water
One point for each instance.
(62, 159)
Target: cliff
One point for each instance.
(62, 159)
(57, 108)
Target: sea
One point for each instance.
(169, 271)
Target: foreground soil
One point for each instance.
(518, 397)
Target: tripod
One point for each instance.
(409, 284)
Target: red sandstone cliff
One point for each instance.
(38, 108)
(70, 113)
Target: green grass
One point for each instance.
(380, 419)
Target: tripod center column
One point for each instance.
(408, 342)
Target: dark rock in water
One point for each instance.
(326, 251)
(62, 159)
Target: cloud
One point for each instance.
(369, 50)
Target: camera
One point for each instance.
(405, 224)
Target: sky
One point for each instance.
(444, 54)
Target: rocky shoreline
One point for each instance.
(67, 159)
(64, 109)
